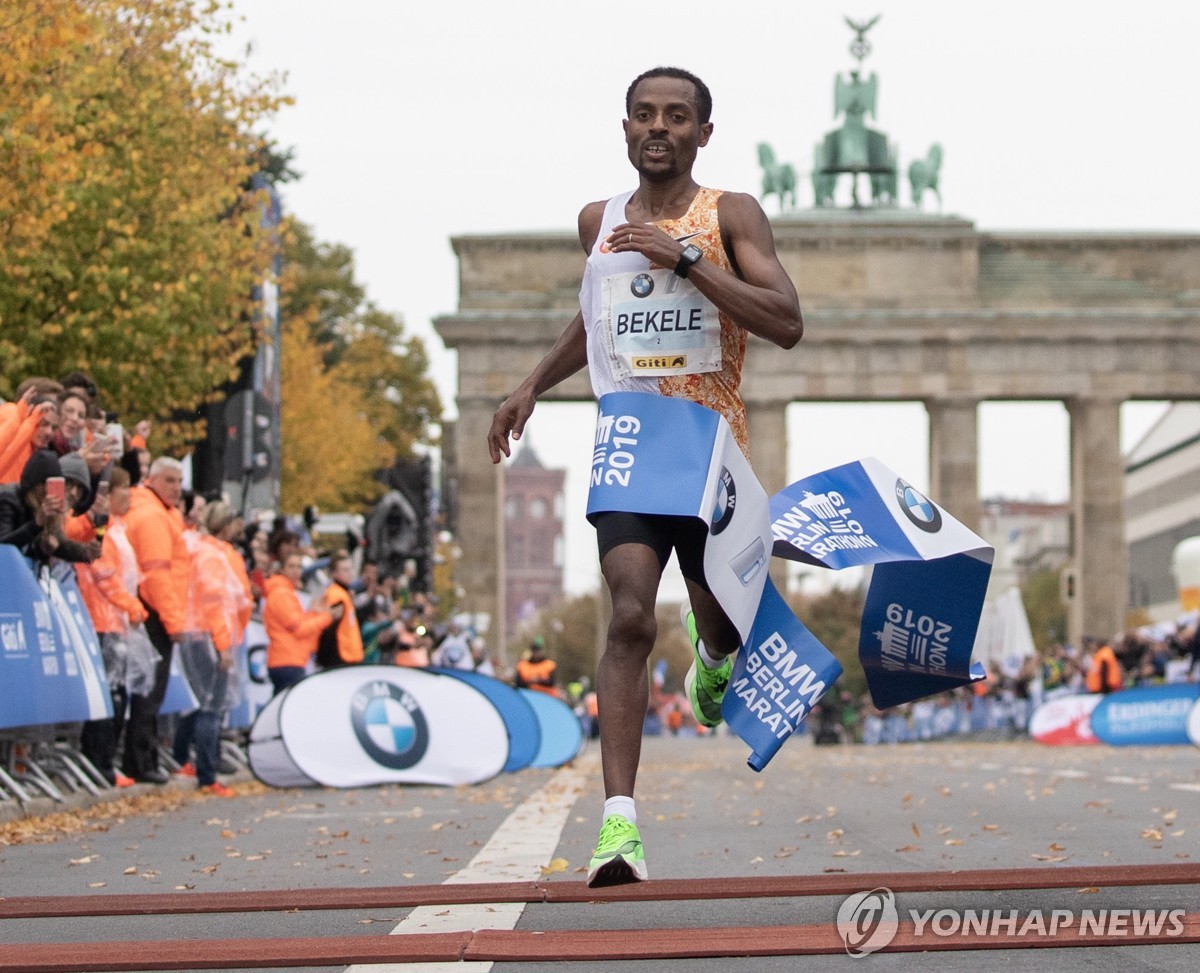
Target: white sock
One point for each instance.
(623, 806)
(707, 658)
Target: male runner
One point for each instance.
(721, 248)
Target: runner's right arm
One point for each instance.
(568, 356)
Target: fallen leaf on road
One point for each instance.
(1051, 858)
(83, 861)
(556, 865)
(954, 841)
(1089, 890)
(131, 870)
(909, 848)
(96, 885)
(916, 830)
(1153, 834)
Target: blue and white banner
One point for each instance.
(779, 674)
(929, 579)
(520, 719)
(51, 670)
(660, 455)
(364, 725)
(1146, 715)
(1193, 724)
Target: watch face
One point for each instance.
(691, 253)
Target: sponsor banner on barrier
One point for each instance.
(78, 633)
(269, 759)
(50, 671)
(520, 719)
(1145, 715)
(779, 674)
(1065, 721)
(561, 732)
(929, 579)
(1193, 724)
(250, 667)
(364, 725)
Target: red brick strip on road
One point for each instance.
(679, 889)
(496, 945)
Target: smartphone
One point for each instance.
(56, 489)
(102, 489)
(116, 439)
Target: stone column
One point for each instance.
(479, 524)
(767, 423)
(1098, 552)
(954, 458)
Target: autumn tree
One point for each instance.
(129, 238)
(354, 382)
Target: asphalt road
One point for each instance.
(703, 815)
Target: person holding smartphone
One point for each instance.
(32, 518)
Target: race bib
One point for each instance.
(656, 323)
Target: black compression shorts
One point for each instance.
(661, 533)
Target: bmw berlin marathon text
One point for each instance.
(869, 921)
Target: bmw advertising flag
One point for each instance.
(660, 455)
(929, 579)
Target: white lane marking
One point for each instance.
(1117, 779)
(516, 852)
(1187, 787)
(1076, 774)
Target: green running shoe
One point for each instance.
(619, 858)
(705, 687)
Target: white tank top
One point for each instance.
(601, 264)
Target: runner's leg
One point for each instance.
(632, 573)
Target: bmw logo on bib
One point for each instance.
(389, 724)
(918, 508)
(642, 285)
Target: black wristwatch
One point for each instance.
(691, 253)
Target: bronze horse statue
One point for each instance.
(923, 174)
(779, 178)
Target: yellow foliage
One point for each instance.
(129, 239)
(329, 449)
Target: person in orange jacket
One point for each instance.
(1104, 673)
(222, 525)
(340, 644)
(206, 649)
(292, 632)
(27, 425)
(538, 672)
(154, 526)
(109, 589)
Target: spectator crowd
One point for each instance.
(167, 574)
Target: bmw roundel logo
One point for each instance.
(642, 285)
(724, 503)
(389, 724)
(918, 508)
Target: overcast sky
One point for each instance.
(414, 122)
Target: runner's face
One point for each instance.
(663, 131)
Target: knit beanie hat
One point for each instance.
(42, 465)
(74, 467)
